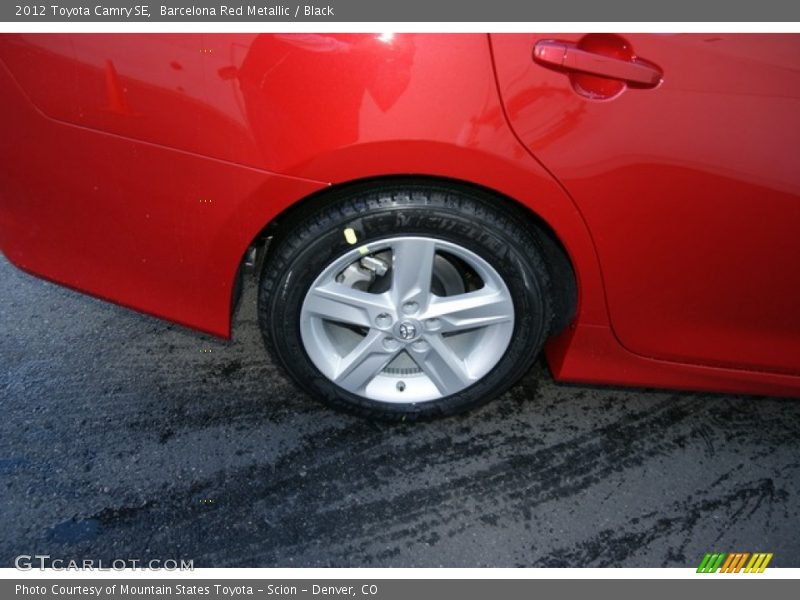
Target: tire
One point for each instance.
(328, 313)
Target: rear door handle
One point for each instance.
(567, 56)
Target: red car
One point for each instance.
(427, 212)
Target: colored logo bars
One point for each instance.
(733, 563)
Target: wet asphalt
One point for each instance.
(126, 437)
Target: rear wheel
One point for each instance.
(405, 301)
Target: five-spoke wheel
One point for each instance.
(427, 318)
(405, 300)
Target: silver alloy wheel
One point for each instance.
(442, 319)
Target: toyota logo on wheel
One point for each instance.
(407, 331)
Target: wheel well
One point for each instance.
(562, 274)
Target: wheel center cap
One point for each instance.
(407, 330)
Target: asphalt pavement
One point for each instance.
(123, 436)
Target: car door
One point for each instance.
(687, 174)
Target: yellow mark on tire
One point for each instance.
(350, 235)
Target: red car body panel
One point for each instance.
(691, 191)
(139, 168)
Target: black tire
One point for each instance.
(312, 238)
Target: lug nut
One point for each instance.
(420, 345)
(433, 324)
(410, 308)
(383, 320)
(391, 344)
